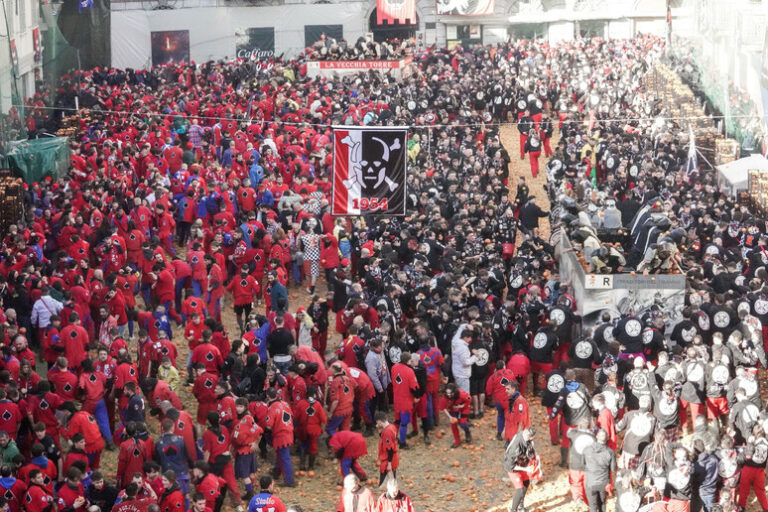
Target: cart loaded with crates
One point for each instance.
(11, 199)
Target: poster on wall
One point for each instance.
(14, 57)
(391, 12)
(255, 43)
(170, 46)
(314, 33)
(369, 170)
(465, 7)
(36, 44)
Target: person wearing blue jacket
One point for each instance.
(171, 453)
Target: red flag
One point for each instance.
(393, 12)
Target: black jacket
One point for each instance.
(600, 461)
(530, 214)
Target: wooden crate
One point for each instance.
(726, 151)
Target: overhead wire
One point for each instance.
(411, 126)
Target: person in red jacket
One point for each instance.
(404, 388)
(83, 422)
(348, 446)
(63, 381)
(279, 422)
(389, 458)
(172, 499)
(204, 390)
(518, 416)
(329, 255)
(38, 498)
(207, 484)
(605, 419)
(244, 288)
(75, 454)
(12, 490)
(71, 495)
(164, 287)
(40, 463)
(341, 398)
(216, 288)
(351, 346)
(216, 445)
(134, 452)
(92, 386)
(207, 354)
(496, 388)
(246, 434)
(364, 394)
(166, 227)
(75, 341)
(10, 415)
(42, 407)
(309, 420)
(455, 403)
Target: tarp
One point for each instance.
(734, 176)
(33, 160)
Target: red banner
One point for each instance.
(391, 12)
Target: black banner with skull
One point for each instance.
(369, 170)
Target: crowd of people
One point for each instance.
(330, 48)
(198, 194)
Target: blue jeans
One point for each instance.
(197, 288)
(500, 419)
(100, 412)
(180, 285)
(333, 424)
(296, 273)
(283, 367)
(431, 413)
(405, 419)
(146, 292)
(707, 501)
(283, 461)
(183, 483)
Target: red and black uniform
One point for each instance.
(388, 451)
(204, 391)
(133, 454)
(83, 422)
(342, 391)
(172, 500)
(209, 356)
(13, 490)
(348, 447)
(309, 420)
(216, 443)
(210, 487)
(458, 408)
(38, 499)
(43, 408)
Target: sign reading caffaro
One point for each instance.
(255, 43)
(254, 54)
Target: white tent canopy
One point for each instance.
(734, 176)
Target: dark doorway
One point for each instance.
(396, 31)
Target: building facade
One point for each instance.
(20, 50)
(214, 27)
